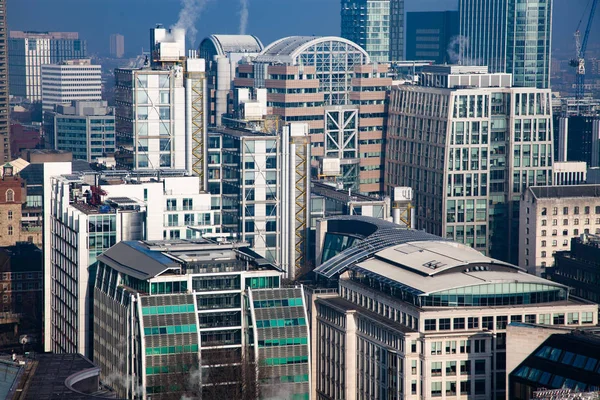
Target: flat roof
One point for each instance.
(323, 189)
(549, 192)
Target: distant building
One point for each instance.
(468, 143)
(431, 36)
(550, 217)
(23, 137)
(117, 45)
(498, 35)
(69, 81)
(164, 309)
(558, 363)
(375, 25)
(85, 128)
(28, 51)
(5, 154)
(569, 173)
(579, 266)
(419, 316)
(577, 138)
(221, 54)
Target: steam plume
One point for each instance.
(189, 14)
(457, 51)
(243, 16)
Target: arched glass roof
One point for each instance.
(288, 49)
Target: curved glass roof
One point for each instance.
(224, 44)
(288, 49)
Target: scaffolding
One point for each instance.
(197, 81)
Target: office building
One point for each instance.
(23, 137)
(375, 25)
(500, 35)
(28, 51)
(117, 45)
(331, 84)
(93, 211)
(418, 316)
(70, 80)
(221, 54)
(578, 266)
(168, 311)
(577, 138)
(159, 118)
(432, 36)
(261, 188)
(468, 143)
(85, 128)
(555, 363)
(550, 217)
(4, 86)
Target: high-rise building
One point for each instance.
(4, 86)
(431, 35)
(507, 36)
(221, 54)
(577, 138)
(550, 217)
(28, 51)
(331, 84)
(419, 317)
(201, 319)
(468, 143)
(261, 188)
(85, 128)
(117, 45)
(375, 25)
(70, 80)
(87, 213)
(160, 119)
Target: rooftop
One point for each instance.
(225, 44)
(286, 50)
(571, 191)
(147, 259)
(326, 190)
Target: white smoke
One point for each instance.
(243, 16)
(457, 51)
(188, 16)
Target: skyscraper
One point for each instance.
(469, 144)
(28, 51)
(69, 81)
(375, 25)
(429, 35)
(4, 109)
(117, 45)
(507, 36)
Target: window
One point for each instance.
(413, 387)
(558, 319)
(436, 369)
(543, 243)
(10, 196)
(565, 222)
(413, 346)
(544, 211)
(465, 367)
(436, 389)
(451, 347)
(587, 221)
(544, 319)
(586, 210)
(576, 221)
(488, 323)
(576, 210)
(587, 318)
(555, 211)
(450, 388)
(436, 347)
(10, 230)
(554, 222)
(565, 210)
(430, 325)
(444, 324)
(450, 368)
(465, 346)
(543, 254)
(530, 318)
(413, 367)
(573, 318)
(465, 387)
(473, 322)
(459, 323)
(480, 386)
(479, 367)
(565, 232)
(544, 222)
(554, 232)
(543, 233)
(597, 209)
(9, 215)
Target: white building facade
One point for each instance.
(69, 81)
(89, 213)
(551, 217)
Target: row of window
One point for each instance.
(158, 351)
(279, 323)
(169, 330)
(278, 303)
(286, 360)
(176, 309)
(586, 221)
(545, 378)
(465, 388)
(282, 342)
(565, 210)
(465, 368)
(465, 347)
(166, 369)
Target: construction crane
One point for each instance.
(580, 46)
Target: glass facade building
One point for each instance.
(507, 36)
(202, 319)
(375, 25)
(429, 35)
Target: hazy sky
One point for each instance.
(95, 20)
